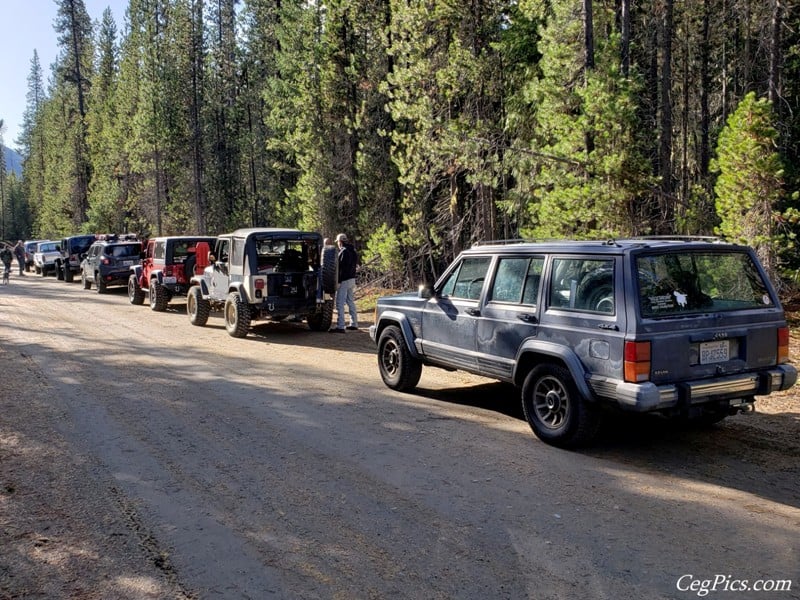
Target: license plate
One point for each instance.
(170, 279)
(128, 263)
(714, 352)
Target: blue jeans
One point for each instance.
(346, 294)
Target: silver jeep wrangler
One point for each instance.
(687, 328)
(266, 273)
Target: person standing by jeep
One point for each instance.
(19, 252)
(6, 256)
(345, 294)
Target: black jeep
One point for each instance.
(73, 251)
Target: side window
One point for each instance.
(583, 284)
(160, 250)
(517, 280)
(223, 251)
(238, 251)
(466, 281)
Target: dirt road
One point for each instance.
(142, 457)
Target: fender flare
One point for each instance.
(136, 270)
(391, 317)
(239, 288)
(565, 355)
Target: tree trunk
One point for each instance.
(775, 53)
(625, 22)
(588, 31)
(667, 200)
(705, 84)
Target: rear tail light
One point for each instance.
(105, 261)
(259, 284)
(783, 345)
(637, 361)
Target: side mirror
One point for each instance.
(212, 259)
(425, 292)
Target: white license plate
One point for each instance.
(170, 280)
(128, 263)
(714, 352)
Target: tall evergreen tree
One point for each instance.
(74, 70)
(107, 207)
(582, 166)
(750, 187)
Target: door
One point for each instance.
(450, 317)
(510, 315)
(219, 274)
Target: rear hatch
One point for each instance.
(286, 268)
(708, 312)
(120, 257)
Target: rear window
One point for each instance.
(80, 244)
(686, 282)
(124, 251)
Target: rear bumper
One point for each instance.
(648, 396)
(116, 277)
(277, 307)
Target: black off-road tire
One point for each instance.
(87, 285)
(555, 409)
(398, 368)
(323, 317)
(237, 316)
(159, 298)
(329, 267)
(101, 286)
(69, 276)
(40, 271)
(135, 291)
(59, 272)
(197, 307)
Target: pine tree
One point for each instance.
(581, 163)
(750, 186)
(74, 71)
(107, 210)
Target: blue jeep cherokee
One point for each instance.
(684, 327)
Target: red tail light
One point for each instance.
(637, 361)
(783, 345)
(259, 284)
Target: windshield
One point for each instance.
(685, 282)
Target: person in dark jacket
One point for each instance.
(6, 256)
(348, 259)
(19, 252)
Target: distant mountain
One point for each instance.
(13, 161)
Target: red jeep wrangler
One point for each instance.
(167, 268)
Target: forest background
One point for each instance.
(419, 127)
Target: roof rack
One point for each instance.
(677, 238)
(502, 242)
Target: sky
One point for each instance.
(26, 26)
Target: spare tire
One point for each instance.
(330, 269)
